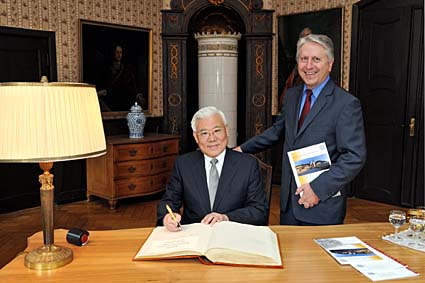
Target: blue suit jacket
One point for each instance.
(239, 194)
(336, 119)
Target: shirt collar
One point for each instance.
(220, 158)
(318, 89)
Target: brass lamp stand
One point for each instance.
(45, 123)
(48, 256)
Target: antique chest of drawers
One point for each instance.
(132, 167)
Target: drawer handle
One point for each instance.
(151, 149)
(132, 152)
(151, 182)
(151, 166)
(131, 187)
(164, 164)
(165, 148)
(131, 169)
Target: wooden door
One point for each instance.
(386, 76)
(25, 56)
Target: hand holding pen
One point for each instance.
(172, 220)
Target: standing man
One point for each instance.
(317, 111)
(213, 183)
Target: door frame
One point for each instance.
(412, 177)
(51, 45)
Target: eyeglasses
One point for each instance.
(216, 132)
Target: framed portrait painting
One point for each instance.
(291, 28)
(118, 61)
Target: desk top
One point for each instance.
(108, 258)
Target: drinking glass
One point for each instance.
(397, 218)
(421, 209)
(417, 226)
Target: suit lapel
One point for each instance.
(296, 110)
(200, 177)
(318, 105)
(227, 173)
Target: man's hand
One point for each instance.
(170, 224)
(214, 217)
(308, 198)
(238, 148)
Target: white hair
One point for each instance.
(207, 112)
(321, 39)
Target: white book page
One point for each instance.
(350, 250)
(192, 240)
(254, 244)
(384, 270)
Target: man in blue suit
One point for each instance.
(335, 117)
(238, 196)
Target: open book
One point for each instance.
(228, 243)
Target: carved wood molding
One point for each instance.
(174, 59)
(216, 2)
(259, 61)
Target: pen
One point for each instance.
(173, 216)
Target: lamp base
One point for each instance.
(48, 257)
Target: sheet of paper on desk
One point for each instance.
(384, 270)
(350, 250)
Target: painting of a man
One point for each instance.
(117, 60)
(120, 84)
(291, 28)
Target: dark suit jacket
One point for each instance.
(239, 194)
(336, 119)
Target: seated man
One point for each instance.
(214, 183)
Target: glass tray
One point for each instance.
(407, 240)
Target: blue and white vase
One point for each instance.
(136, 121)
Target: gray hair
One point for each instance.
(321, 39)
(207, 112)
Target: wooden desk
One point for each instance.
(108, 258)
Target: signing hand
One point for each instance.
(214, 217)
(308, 197)
(171, 224)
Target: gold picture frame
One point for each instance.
(118, 61)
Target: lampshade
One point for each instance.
(47, 122)
(43, 123)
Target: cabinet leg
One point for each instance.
(88, 197)
(112, 203)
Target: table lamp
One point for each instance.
(43, 123)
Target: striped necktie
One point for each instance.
(213, 181)
(306, 107)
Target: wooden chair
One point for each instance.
(266, 176)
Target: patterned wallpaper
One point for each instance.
(62, 17)
(287, 7)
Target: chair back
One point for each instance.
(266, 177)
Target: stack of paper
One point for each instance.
(369, 261)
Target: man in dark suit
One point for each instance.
(333, 116)
(229, 188)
